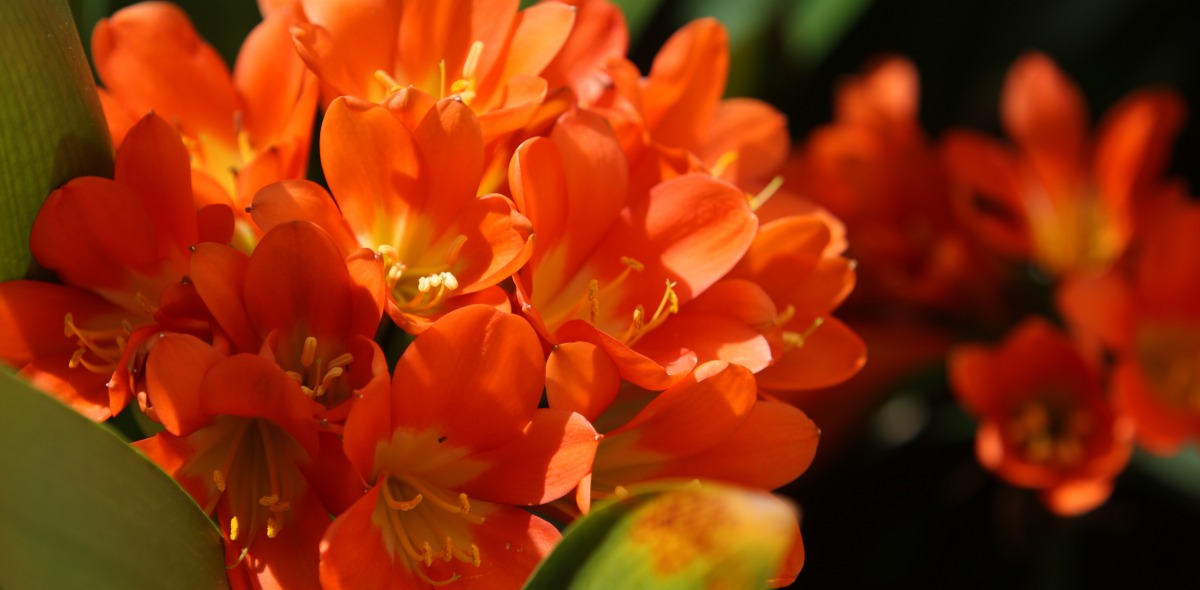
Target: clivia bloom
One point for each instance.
(242, 131)
(1044, 421)
(250, 420)
(449, 452)
(1068, 202)
(1149, 316)
(405, 176)
(488, 54)
(611, 264)
(121, 247)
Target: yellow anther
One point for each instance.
(310, 352)
(233, 528)
(633, 263)
(268, 500)
(620, 492)
(308, 391)
(594, 298)
(464, 502)
(797, 339)
(272, 527)
(475, 555)
(766, 193)
(294, 376)
(280, 507)
(449, 552)
(219, 480)
(427, 554)
(789, 312)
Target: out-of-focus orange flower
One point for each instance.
(874, 169)
(245, 433)
(674, 121)
(1067, 201)
(242, 131)
(612, 264)
(121, 247)
(405, 176)
(1149, 315)
(457, 443)
(489, 55)
(1044, 420)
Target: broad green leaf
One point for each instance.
(673, 536)
(51, 125)
(81, 509)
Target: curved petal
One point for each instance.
(175, 368)
(219, 275)
(254, 387)
(632, 366)
(581, 378)
(353, 554)
(297, 279)
(154, 165)
(279, 94)
(301, 199)
(538, 32)
(151, 59)
(79, 388)
(359, 37)
(685, 84)
(450, 142)
(710, 336)
(1046, 114)
(475, 376)
(544, 463)
(829, 355)
(989, 194)
(32, 315)
(755, 132)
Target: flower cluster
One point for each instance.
(576, 254)
(953, 236)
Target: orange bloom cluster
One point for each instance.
(577, 252)
(941, 230)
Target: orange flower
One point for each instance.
(1149, 315)
(1066, 201)
(611, 264)
(674, 119)
(405, 175)
(242, 132)
(1044, 422)
(487, 54)
(249, 435)
(457, 442)
(121, 247)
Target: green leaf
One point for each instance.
(815, 26)
(81, 509)
(673, 536)
(51, 125)
(1181, 471)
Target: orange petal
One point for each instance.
(739, 457)
(1046, 114)
(887, 95)
(1134, 144)
(290, 559)
(1103, 307)
(371, 164)
(150, 58)
(581, 378)
(32, 315)
(252, 386)
(538, 33)
(829, 355)
(783, 251)
(175, 369)
(1157, 428)
(494, 359)
(753, 130)
(353, 553)
(429, 33)
(710, 336)
(219, 275)
(450, 142)
(989, 190)
(633, 366)
(301, 199)
(358, 39)
(1076, 497)
(544, 463)
(279, 94)
(685, 84)
(79, 388)
(297, 279)
(154, 165)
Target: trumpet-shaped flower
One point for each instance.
(1044, 422)
(405, 176)
(455, 445)
(489, 54)
(1149, 316)
(248, 435)
(1067, 201)
(121, 247)
(242, 131)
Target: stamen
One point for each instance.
(310, 352)
(398, 528)
(449, 553)
(272, 527)
(427, 553)
(472, 62)
(268, 500)
(219, 480)
(341, 361)
(724, 162)
(593, 297)
(475, 555)
(797, 339)
(233, 528)
(401, 505)
(766, 193)
(388, 81)
(455, 249)
(294, 376)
